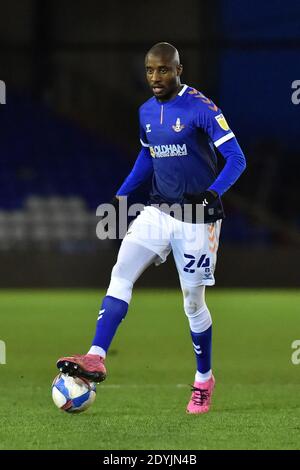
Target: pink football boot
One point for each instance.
(89, 366)
(201, 397)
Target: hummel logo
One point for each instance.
(205, 202)
(197, 349)
(101, 314)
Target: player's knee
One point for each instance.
(196, 309)
(193, 301)
(191, 308)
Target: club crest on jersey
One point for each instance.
(222, 122)
(178, 126)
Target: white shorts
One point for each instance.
(194, 246)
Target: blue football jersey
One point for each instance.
(181, 135)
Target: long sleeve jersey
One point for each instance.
(178, 139)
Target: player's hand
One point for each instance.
(206, 198)
(115, 202)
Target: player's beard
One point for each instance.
(166, 93)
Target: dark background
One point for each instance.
(74, 80)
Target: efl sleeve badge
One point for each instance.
(222, 122)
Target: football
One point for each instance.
(73, 394)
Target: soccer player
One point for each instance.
(179, 128)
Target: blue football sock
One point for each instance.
(112, 312)
(202, 348)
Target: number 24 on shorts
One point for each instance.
(190, 266)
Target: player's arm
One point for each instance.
(234, 166)
(141, 171)
(212, 121)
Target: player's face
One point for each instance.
(163, 76)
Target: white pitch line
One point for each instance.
(116, 386)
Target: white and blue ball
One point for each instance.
(73, 394)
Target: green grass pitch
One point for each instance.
(141, 405)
